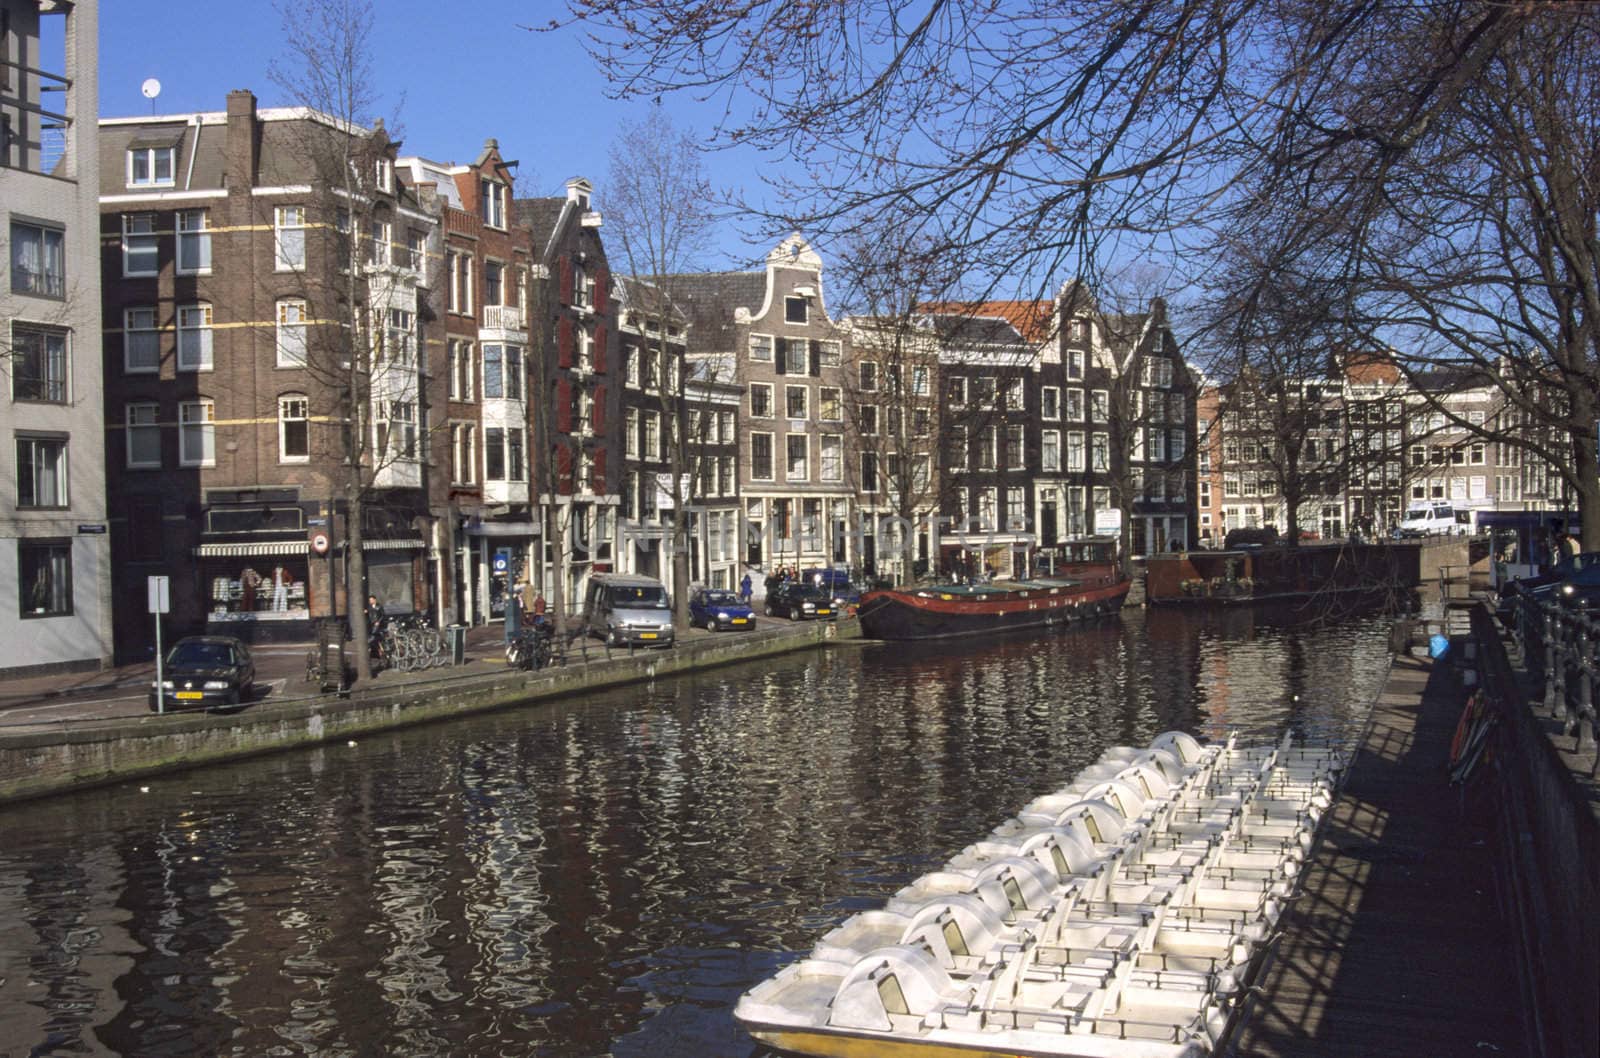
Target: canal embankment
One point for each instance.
(77, 750)
(1438, 916)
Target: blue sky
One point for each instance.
(452, 74)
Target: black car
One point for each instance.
(799, 601)
(201, 672)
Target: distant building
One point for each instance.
(55, 553)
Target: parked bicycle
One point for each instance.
(533, 647)
(408, 642)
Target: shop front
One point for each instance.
(257, 590)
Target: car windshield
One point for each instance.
(639, 598)
(208, 655)
(722, 598)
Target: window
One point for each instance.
(1100, 405)
(494, 203)
(44, 575)
(796, 356)
(494, 453)
(956, 391)
(383, 174)
(761, 347)
(1101, 451)
(194, 338)
(867, 419)
(493, 282)
(795, 310)
(1050, 450)
(289, 238)
(869, 472)
(796, 400)
(988, 448)
(921, 421)
(1075, 364)
(828, 353)
(1049, 403)
(141, 341)
(1015, 457)
(194, 242)
(760, 400)
(41, 471)
(956, 453)
(1074, 410)
(291, 333)
(798, 447)
(37, 262)
(652, 435)
(197, 433)
(630, 434)
(463, 464)
(380, 237)
(921, 384)
(761, 456)
(140, 252)
(983, 391)
(1075, 451)
(416, 249)
(832, 458)
(460, 282)
(868, 375)
(829, 405)
(38, 364)
(143, 431)
(495, 381)
(462, 371)
(150, 166)
(1479, 453)
(1014, 395)
(398, 433)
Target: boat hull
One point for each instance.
(934, 614)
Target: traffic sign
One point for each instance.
(160, 598)
(319, 543)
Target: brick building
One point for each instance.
(242, 252)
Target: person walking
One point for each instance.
(746, 589)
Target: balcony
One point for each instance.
(501, 318)
(34, 136)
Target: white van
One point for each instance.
(1436, 519)
(623, 609)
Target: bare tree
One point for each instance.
(366, 357)
(658, 203)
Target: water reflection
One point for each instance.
(600, 876)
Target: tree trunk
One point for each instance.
(355, 565)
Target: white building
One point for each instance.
(55, 577)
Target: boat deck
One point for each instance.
(1392, 948)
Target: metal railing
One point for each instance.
(1561, 648)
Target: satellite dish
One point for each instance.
(151, 88)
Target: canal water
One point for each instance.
(600, 876)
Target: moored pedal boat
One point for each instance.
(1119, 917)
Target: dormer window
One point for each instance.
(795, 310)
(494, 203)
(150, 166)
(384, 176)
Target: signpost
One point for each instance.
(160, 603)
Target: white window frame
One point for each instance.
(131, 326)
(831, 464)
(194, 233)
(1100, 405)
(1100, 451)
(152, 179)
(772, 456)
(1017, 444)
(763, 348)
(830, 352)
(202, 335)
(197, 422)
(291, 330)
(805, 402)
(140, 226)
(1077, 451)
(494, 203)
(956, 391)
(788, 457)
(1050, 451)
(286, 405)
(1050, 403)
(865, 368)
(142, 418)
(630, 433)
(771, 407)
(288, 234)
(1016, 398)
(59, 479)
(463, 453)
(830, 398)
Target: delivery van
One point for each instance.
(626, 610)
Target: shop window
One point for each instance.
(44, 577)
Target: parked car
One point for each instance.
(1436, 519)
(798, 602)
(201, 672)
(624, 609)
(713, 609)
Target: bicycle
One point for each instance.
(532, 647)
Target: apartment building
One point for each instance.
(576, 413)
(798, 497)
(266, 281)
(485, 488)
(55, 556)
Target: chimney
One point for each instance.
(241, 146)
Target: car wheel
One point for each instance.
(795, 614)
(768, 610)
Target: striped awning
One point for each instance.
(409, 543)
(261, 547)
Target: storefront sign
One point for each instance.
(319, 543)
(1108, 523)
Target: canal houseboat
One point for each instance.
(1075, 591)
(1123, 916)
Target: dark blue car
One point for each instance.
(714, 609)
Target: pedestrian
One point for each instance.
(513, 613)
(374, 613)
(745, 590)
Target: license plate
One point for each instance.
(190, 695)
(647, 635)
(823, 612)
(740, 620)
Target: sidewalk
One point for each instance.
(280, 673)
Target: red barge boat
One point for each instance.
(939, 611)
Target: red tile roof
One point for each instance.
(1034, 320)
